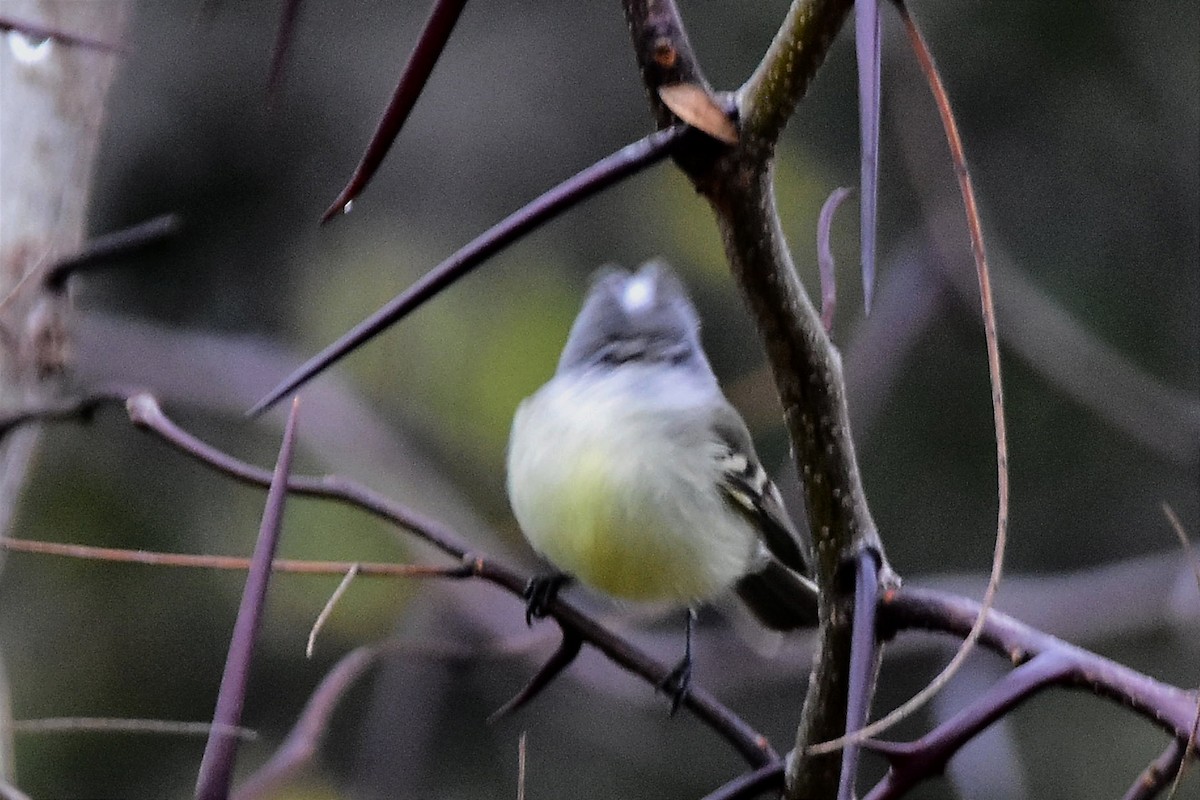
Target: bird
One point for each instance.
(630, 471)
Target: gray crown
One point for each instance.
(640, 317)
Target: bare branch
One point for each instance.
(1154, 778)
(150, 558)
(664, 53)
(825, 255)
(604, 173)
(566, 652)
(216, 769)
(808, 376)
(904, 609)
(68, 410)
(807, 370)
(327, 610)
(437, 30)
(975, 229)
(1168, 707)
(752, 784)
(868, 50)
(158, 727)
(102, 251)
(781, 79)
(753, 746)
(283, 42)
(304, 738)
(926, 758)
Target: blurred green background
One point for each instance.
(1082, 124)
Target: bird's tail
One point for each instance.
(779, 598)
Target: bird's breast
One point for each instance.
(619, 490)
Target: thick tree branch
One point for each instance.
(769, 97)
(54, 88)
(664, 54)
(738, 183)
(807, 373)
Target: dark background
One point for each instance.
(1082, 125)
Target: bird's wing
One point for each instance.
(750, 490)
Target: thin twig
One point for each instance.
(1189, 553)
(283, 42)
(125, 725)
(328, 609)
(102, 251)
(993, 355)
(908, 608)
(289, 565)
(828, 273)
(521, 767)
(562, 657)
(435, 34)
(216, 768)
(305, 736)
(764, 779)
(912, 608)
(752, 745)
(864, 661)
(604, 173)
(1153, 779)
(80, 408)
(867, 46)
(1185, 542)
(925, 758)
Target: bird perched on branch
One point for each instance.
(630, 471)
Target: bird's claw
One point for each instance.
(540, 593)
(677, 684)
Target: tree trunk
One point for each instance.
(52, 93)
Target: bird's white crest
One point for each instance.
(638, 294)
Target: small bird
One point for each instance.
(630, 471)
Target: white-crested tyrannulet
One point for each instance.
(630, 471)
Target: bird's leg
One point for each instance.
(540, 593)
(679, 680)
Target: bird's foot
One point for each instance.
(678, 683)
(540, 593)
